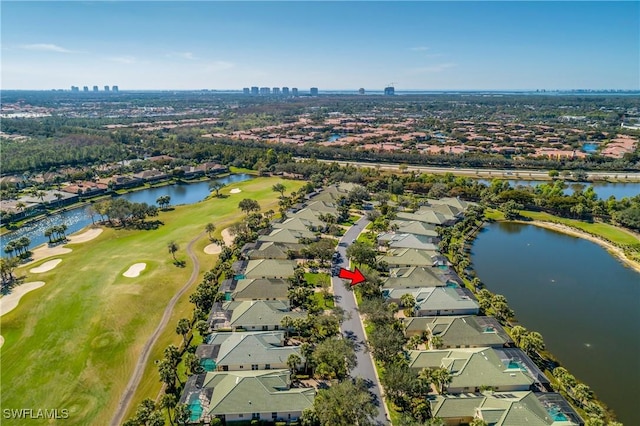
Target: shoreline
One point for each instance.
(614, 250)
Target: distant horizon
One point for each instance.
(446, 46)
(305, 90)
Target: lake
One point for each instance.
(602, 189)
(79, 218)
(584, 301)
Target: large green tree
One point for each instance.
(344, 404)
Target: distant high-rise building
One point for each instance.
(106, 88)
(313, 91)
(389, 90)
(275, 90)
(255, 90)
(285, 91)
(265, 91)
(361, 91)
(114, 88)
(85, 88)
(75, 89)
(246, 91)
(294, 91)
(95, 88)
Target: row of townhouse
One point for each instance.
(245, 358)
(491, 379)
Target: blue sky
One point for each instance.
(424, 45)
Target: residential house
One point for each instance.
(257, 315)
(295, 223)
(474, 368)
(414, 227)
(255, 289)
(418, 242)
(445, 301)
(468, 331)
(405, 257)
(265, 250)
(437, 300)
(152, 175)
(245, 351)
(426, 216)
(417, 277)
(288, 236)
(269, 268)
(506, 409)
(245, 396)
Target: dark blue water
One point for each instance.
(584, 301)
(603, 190)
(79, 218)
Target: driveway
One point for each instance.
(353, 328)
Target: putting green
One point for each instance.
(76, 344)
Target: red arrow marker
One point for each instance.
(356, 276)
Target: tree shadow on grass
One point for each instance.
(180, 263)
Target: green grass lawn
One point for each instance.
(73, 343)
(321, 302)
(610, 232)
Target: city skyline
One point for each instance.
(330, 45)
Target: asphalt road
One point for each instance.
(352, 328)
(516, 174)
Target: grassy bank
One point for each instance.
(74, 343)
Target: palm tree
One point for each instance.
(279, 187)
(210, 228)
(293, 362)
(435, 342)
(414, 341)
(47, 233)
(286, 322)
(442, 377)
(59, 197)
(216, 185)
(173, 248)
(517, 332)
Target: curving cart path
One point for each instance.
(136, 376)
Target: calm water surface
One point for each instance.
(585, 303)
(77, 219)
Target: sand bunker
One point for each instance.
(134, 270)
(87, 235)
(212, 249)
(43, 252)
(1, 341)
(235, 191)
(45, 267)
(10, 301)
(226, 237)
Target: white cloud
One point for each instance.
(123, 59)
(432, 68)
(45, 47)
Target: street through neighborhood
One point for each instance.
(352, 327)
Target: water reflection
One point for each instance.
(79, 218)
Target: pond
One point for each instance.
(79, 218)
(584, 302)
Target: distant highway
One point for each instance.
(520, 174)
